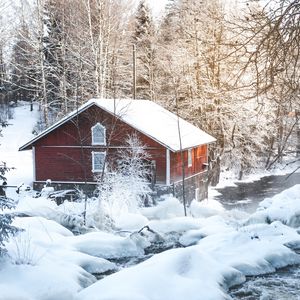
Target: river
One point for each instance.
(246, 195)
(282, 285)
(285, 283)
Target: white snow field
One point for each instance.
(47, 261)
(13, 136)
(216, 248)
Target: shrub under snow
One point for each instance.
(125, 187)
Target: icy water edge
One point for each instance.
(285, 283)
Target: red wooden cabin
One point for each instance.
(72, 151)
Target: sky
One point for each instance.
(157, 5)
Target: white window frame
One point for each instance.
(190, 157)
(98, 125)
(94, 154)
(168, 167)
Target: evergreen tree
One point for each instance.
(6, 229)
(144, 39)
(6, 218)
(53, 54)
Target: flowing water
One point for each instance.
(285, 283)
(246, 195)
(282, 285)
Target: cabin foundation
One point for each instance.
(195, 188)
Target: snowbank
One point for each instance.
(203, 271)
(107, 245)
(284, 207)
(46, 281)
(222, 248)
(174, 274)
(43, 265)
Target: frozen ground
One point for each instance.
(216, 249)
(13, 136)
(204, 254)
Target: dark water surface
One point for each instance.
(282, 285)
(247, 195)
(285, 283)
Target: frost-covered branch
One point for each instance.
(125, 186)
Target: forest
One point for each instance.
(229, 67)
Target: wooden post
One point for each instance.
(182, 158)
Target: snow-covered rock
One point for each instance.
(174, 274)
(44, 281)
(106, 245)
(284, 207)
(169, 207)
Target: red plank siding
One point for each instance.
(199, 157)
(74, 164)
(59, 156)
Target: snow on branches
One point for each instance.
(124, 187)
(6, 229)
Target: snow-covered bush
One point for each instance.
(6, 229)
(3, 170)
(125, 187)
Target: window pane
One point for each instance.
(190, 158)
(98, 161)
(98, 133)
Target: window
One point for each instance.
(190, 158)
(98, 135)
(98, 159)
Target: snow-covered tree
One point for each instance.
(144, 39)
(6, 229)
(125, 187)
(135, 166)
(3, 169)
(271, 31)
(22, 71)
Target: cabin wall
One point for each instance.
(199, 159)
(75, 164)
(65, 154)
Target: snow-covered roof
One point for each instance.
(147, 117)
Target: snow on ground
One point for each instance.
(221, 258)
(107, 245)
(284, 207)
(216, 248)
(174, 274)
(17, 133)
(49, 262)
(228, 178)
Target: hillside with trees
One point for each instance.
(232, 71)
